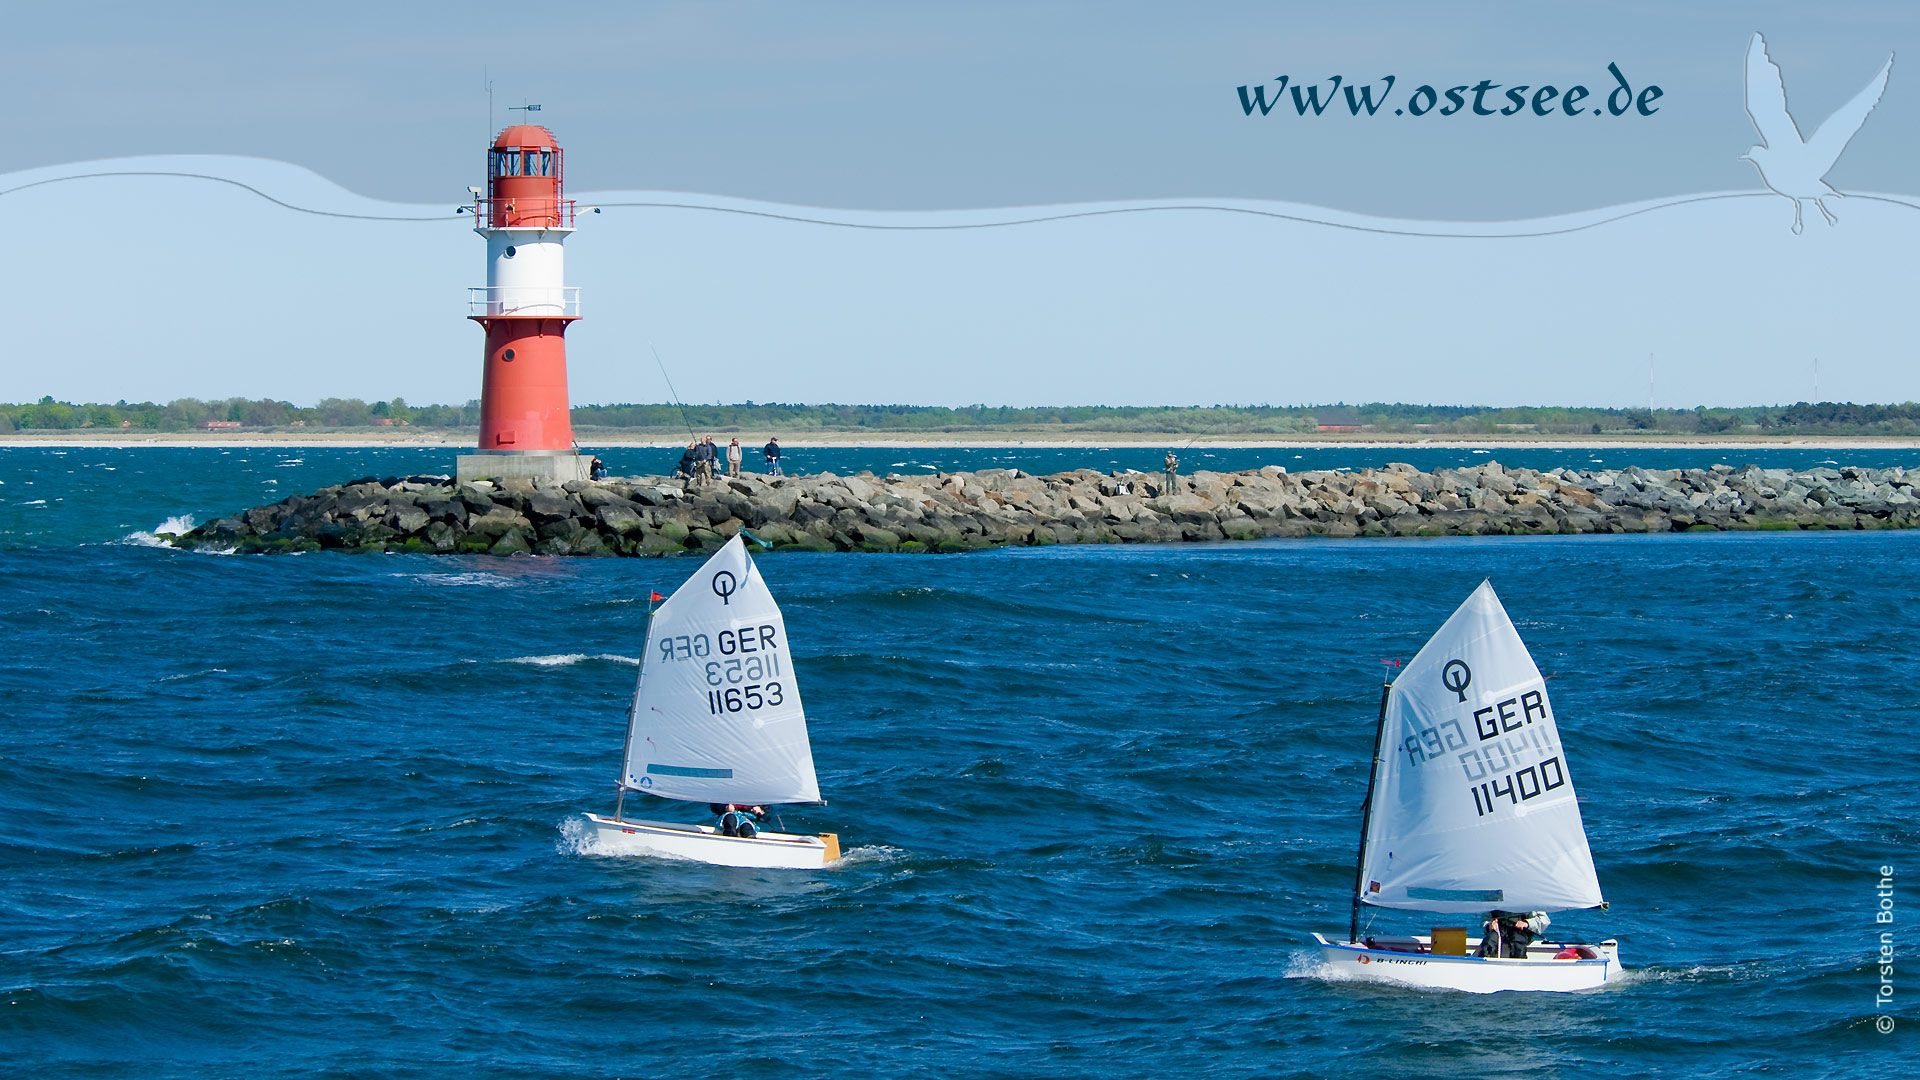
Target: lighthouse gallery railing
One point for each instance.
(502, 300)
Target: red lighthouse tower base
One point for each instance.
(525, 309)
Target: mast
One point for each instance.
(1366, 814)
(633, 706)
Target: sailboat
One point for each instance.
(1470, 809)
(716, 718)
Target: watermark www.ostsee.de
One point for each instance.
(1883, 917)
(1369, 98)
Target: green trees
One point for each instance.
(184, 414)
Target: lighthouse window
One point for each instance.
(511, 251)
(507, 356)
(546, 163)
(532, 165)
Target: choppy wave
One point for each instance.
(570, 659)
(477, 578)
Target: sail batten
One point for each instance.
(1473, 802)
(716, 713)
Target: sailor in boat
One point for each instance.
(1509, 933)
(736, 820)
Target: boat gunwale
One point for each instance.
(708, 832)
(1444, 958)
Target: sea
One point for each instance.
(317, 815)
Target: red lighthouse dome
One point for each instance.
(526, 171)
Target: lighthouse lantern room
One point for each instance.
(525, 309)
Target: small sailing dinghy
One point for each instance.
(1470, 809)
(716, 718)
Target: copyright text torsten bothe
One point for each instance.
(1883, 919)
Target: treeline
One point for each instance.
(185, 414)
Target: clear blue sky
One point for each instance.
(908, 109)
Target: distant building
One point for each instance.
(1337, 418)
(209, 425)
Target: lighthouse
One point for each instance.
(525, 309)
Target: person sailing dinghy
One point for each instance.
(1470, 808)
(716, 719)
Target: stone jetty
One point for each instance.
(954, 512)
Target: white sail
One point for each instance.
(1473, 805)
(717, 716)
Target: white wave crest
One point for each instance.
(491, 581)
(176, 526)
(570, 659)
(194, 674)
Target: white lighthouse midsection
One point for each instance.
(526, 274)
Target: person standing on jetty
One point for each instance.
(772, 453)
(703, 455)
(1173, 471)
(733, 457)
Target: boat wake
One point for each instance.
(871, 855)
(1307, 964)
(577, 838)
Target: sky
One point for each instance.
(917, 110)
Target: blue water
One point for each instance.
(306, 815)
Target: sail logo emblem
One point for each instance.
(1457, 676)
(725, 585)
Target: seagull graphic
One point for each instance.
(1790, 165)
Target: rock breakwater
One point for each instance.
(954, 512)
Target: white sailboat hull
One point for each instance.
(704, 843)
(1471, 974)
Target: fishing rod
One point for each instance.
(671, 391)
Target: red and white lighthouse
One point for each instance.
(525, 308)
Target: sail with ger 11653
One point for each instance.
(716, 715)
